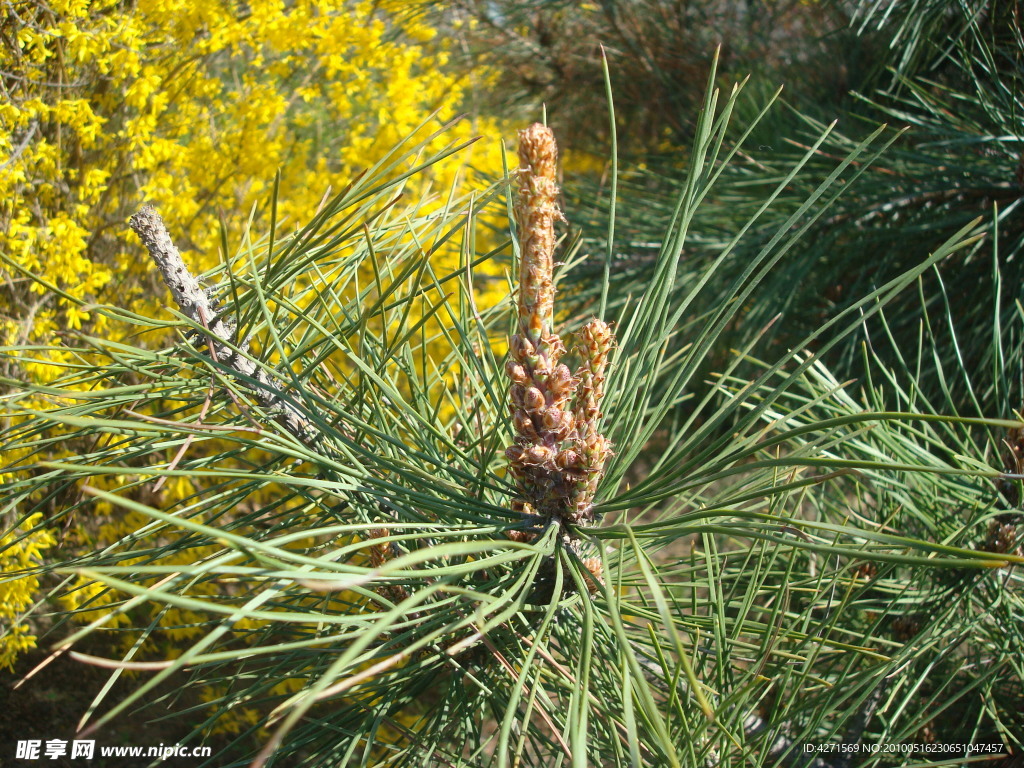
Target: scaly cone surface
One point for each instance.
(558, 454)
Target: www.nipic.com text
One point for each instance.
(37, 749)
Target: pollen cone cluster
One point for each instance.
(592, 448)
(558, 454)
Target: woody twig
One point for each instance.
(221, 331)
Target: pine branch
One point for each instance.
(197, 305)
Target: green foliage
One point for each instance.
(196, 107)
(660, 51)
(765, 541)
(951, 74)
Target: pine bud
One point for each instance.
(533, 400)
(560, 382)
(537, 455)
(556, 422)
(522, 348)
(516, 372)
(523, 424)
(568, 460)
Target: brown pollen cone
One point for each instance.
(541, 386)
(536, 212)
(591, 447)
(558, 453)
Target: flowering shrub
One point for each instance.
(193, 106)
(19, 551)
(366, 553)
